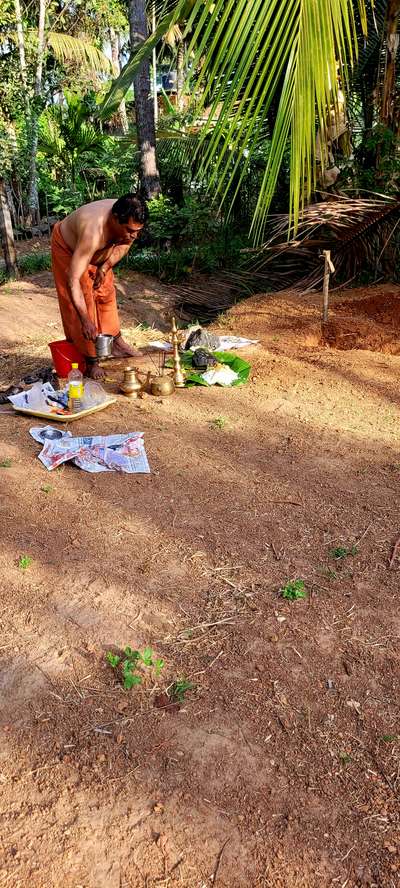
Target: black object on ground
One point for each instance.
(200, 338)
(203, 359)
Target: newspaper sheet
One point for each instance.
(94, 453)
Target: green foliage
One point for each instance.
(376, 164)
(187, 238)
(345, 758)
(130, 662)
(46, 488)
(390, 738)
(342, 552)
(293, 590)
(179, 688)
(30, 263)
(24, 562)
(5, 463)
(193, 377)
(218, 423)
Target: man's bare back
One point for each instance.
(90, 222)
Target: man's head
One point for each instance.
(129, 213)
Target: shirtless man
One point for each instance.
(85, 246)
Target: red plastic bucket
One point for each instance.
(64, 354)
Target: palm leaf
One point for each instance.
(247, 53)
(72, 49)
(123, 82)
(357, 231)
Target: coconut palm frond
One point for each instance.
(249, 54)
(359, 232)
(119, 87)
(72, 49)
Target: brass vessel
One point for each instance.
(179, 376)
(162, 386)
(131, 385)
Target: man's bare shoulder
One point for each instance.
(92, 214)
(87, 222)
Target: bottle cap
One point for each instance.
(74, 366)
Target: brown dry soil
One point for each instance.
(281, 768)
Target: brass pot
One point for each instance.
(162, 386)
(131, 386)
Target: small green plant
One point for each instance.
(46, 488)
(179, 688)
(24, 562)
(342, 552)
(390, 738)
(130, 662)
(5, 463)
(293, 590)
(345, 758)
(218, 423)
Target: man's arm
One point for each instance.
(117, 253)
(79, 264)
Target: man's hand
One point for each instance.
(100, 276)
(88, 329)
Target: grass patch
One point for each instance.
(24, 562)
(293, 590)
(343, 552)
(30, 263)
(218, 423)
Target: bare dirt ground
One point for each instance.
(281, 769)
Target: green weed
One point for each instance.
(46, 488)
(130, 662)
(345, 758)
(293, 590)
(218, 423)
(390, 738)
(5, 464)
(179, 688)
(24, 562)
(342, 552)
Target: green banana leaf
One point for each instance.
(241, 367)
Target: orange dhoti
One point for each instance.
(101, 303)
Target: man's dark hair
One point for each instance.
(130, 206)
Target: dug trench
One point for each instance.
(281, 766)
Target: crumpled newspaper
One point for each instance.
(92, 453)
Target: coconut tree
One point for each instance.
(144, 107)
(251, 56)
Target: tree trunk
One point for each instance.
(144, 108)
(180, 75)
(21, 49)
(33, 197)
(388, 99)
(7, 234)
(117, 68)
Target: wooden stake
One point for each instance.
(329, 267)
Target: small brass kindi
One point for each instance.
(162, 385)
(131, 386)
(179, 376)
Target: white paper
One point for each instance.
(226, 343)
(98, 453)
